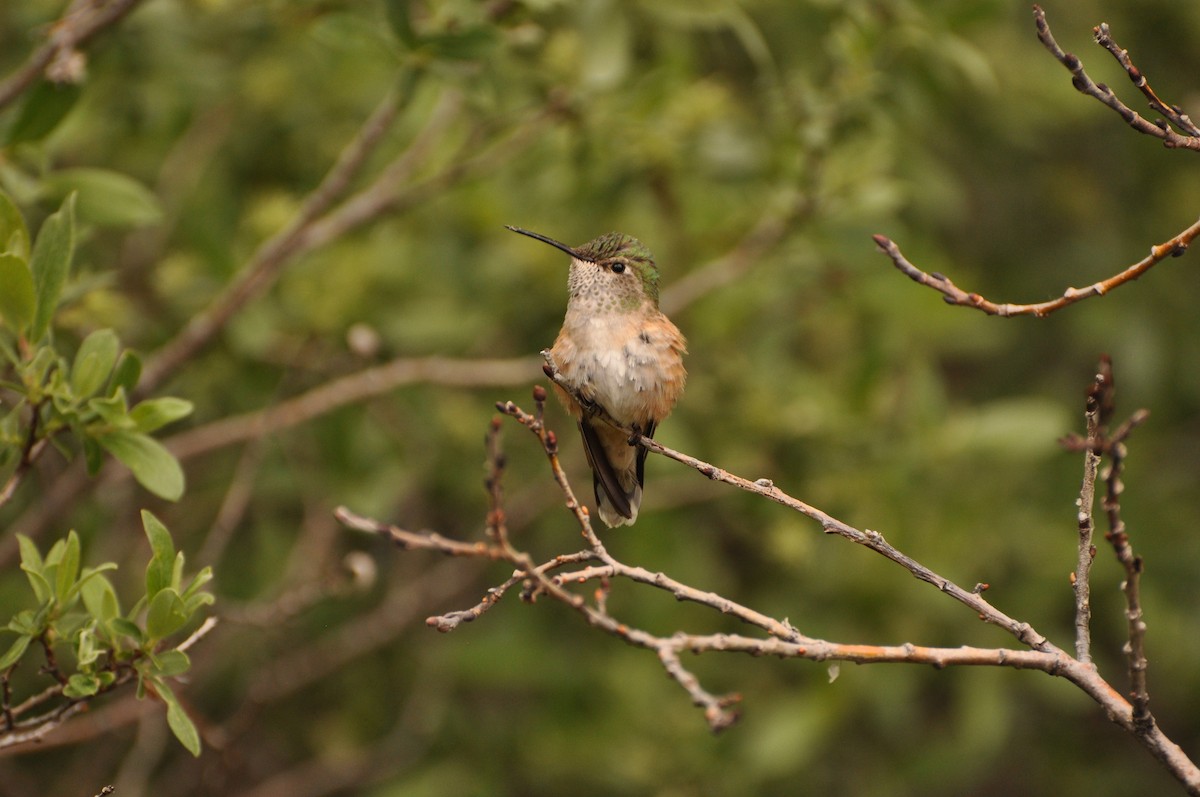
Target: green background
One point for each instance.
(944, 125)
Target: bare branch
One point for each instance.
(1175, 247)
(952, 294)
(1174, 113)
(270, 258)
(29, 453)
(57, 59)
(318, 225)
(1085, 85)
(1081, 578)
(1117, 536)
(350, 389)
(781, 638)
(830, 525)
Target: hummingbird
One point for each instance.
(617, 351)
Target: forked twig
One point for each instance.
(781, 639)
(952, 294)
(1175, 247)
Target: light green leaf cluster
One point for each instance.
(87, 396)
(109, 646)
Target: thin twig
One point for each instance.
(1081, 578)
(1085, 85)
(350, 389)
(1133, 565)
(831, 525)
(1174, 113)
(82, 20)
(1044, 656)
(276, 252)
(29, 453)
(952, 294)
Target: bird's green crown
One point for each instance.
(615, 247)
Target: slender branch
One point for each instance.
(423, 540)
(57, 58)
(831, 525)
(952, 294)
(1175, 247)
(276, 252)
(29, 453)
(351, 389)
(390, 192)
(775, 223)
(1085, 85)
(1133, 565)
(782, 639)
(1081, 578)
(1174, 113)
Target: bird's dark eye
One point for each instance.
(618, 268)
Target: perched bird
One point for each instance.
(618, 351)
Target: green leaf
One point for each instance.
(181, 724)
(398, 19)
(199, 580)
(162, 557)
(34, 567)
(81, 685)
(192, 603)
(51, 262)
(153, 414)
(26, 622)
(99, 598)
(171, 663)
(125, 376)
(153, 466)
(44, 107)
(18, 299)
(166, 614)
(93, 455)
(94, 362)
(86, 650)
(465, 45)
(113, 410)
(14, 235)
(15, 652)
(33, 375)
(177, 572)
(106, 198)
(29, 553)
(68, 567)
(123, 625)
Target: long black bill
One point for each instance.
(556, 244)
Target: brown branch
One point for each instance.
(390, 192)
(1081, 578)
(57, 58)
(29, 453)
(774, 224)
(350, 389)
(270, 258)
(1131, 587)
(782, 639)
(830, 525)
(952, 294)
(1085, 85)
(1175, 247)
(419, 540)
(19, 733)
(1174, 113)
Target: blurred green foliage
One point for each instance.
(202, 126)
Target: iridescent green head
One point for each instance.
(614, 252)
